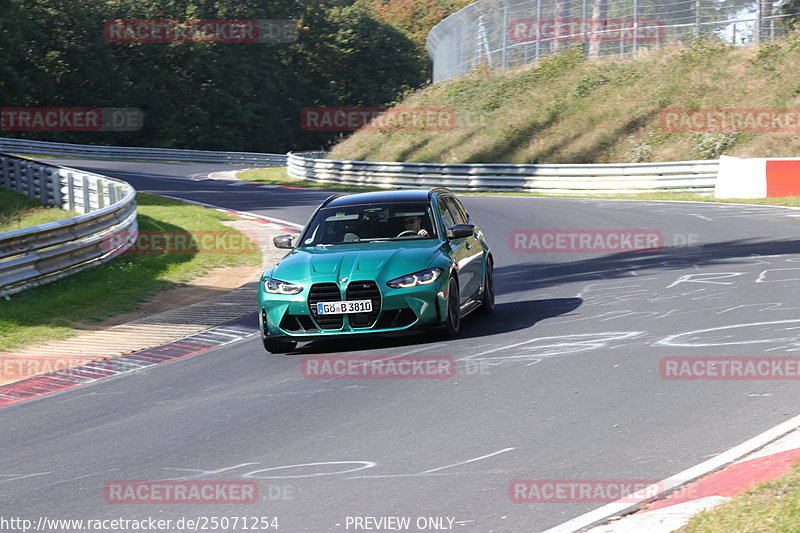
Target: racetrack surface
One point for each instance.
(562, 382)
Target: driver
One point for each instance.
(414, 223)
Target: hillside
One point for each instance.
(572, 110)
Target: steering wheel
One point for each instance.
(407, 232)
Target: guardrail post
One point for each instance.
(70, 191)
(25, 183)
(101, 198)
(112, 193)
(55, 183)
(4, 171)
(87, 195)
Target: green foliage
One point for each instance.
(769, 56)
(589, 84)
(713, 145)
(556, 65)
(200, 95)
(704, 50)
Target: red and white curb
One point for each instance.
(762, 458)
(62, 380)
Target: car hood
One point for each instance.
(365, 261)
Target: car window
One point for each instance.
(369, 223)
(455, 214)
(461, 209)
(447, 216)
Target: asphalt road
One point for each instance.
(562, 382)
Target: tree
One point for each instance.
(232, 96)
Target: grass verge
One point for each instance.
(279, 176)
(62, 308)
(17, 211)
(772, 507)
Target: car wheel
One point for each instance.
(278, 346)
(452, 322)
(487, 300)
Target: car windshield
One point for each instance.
(370, 223)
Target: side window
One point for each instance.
(457, 215)
(447, 217)
(462, 210)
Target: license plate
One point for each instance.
(342, 308)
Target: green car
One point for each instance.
(375, 263)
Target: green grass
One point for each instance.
(60, 309)
(279, 176)
(17, 211)
(772, 507)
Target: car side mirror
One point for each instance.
(283, 241)
(459, 231)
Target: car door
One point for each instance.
(468, 250)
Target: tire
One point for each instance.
(452, 322)
(278, 346)
(487, 299)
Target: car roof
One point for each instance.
(382, 197)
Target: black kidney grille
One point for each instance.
(364, 290)
(325, 292)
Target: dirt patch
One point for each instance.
(216, 282)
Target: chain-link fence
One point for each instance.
(502, 34)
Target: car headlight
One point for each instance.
(276, 286)
(425, 277)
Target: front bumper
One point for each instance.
(400, 310)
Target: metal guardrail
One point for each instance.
(681, 176)
(24, 146)
(105, 228)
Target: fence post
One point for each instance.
(538, 53)
(505, 37)
(635, 27)
(697, 19)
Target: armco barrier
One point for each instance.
(40, 254)
(24, 146)
(682, 176)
